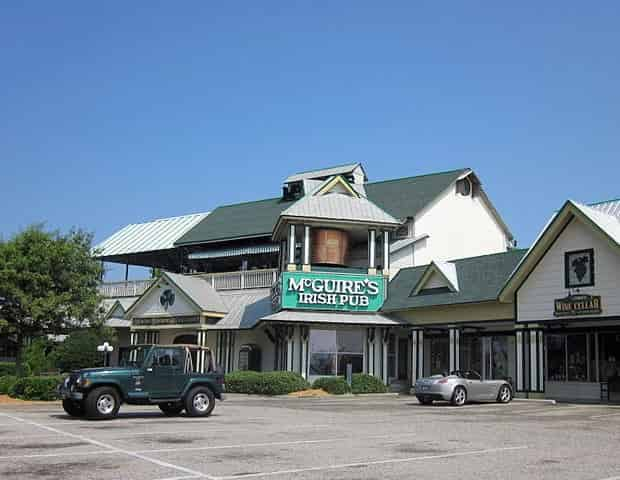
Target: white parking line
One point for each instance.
(113, 449)
(367, 464)
(604, 416)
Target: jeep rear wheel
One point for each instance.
(171, 409)
(102, 403)
(73, 408)
(199, 402)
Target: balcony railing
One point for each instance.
(243, 279)
(219, 281)
(130, 288)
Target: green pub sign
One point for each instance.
(332, 291)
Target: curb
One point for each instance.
(535, 400)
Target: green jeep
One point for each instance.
(162, 375)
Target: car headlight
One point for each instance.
(83, 382)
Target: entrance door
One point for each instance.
(498, 355)
(403, 357)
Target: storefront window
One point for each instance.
(332, 350)
(392, 356)
(437, 355)
(567, 358)
(471, 353)
(609, 348)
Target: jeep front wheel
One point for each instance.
(102, 403)
(73, 408)
(171, 409)
(199, 402)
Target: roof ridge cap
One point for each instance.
(418, 176)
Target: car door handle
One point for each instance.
(149, 369)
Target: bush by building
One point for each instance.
(35, 388)
(6, 382)
(363, 383)
(79, 350)
(7, 368)
(37, 357)
(332, 385)
(265, 383)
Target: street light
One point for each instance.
(106, 348)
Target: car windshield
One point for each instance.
(134, 356)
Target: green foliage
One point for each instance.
(37, 358)
(7, 368)
(36, 388)
(6, 382)
(362, 383)
(47, 278)
(333, 385)
(265, 383)
(79, 350)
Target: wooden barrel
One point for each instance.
(329, 246)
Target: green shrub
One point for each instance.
(265, 383)
(35, 388)
(363, 383)
(37, 357)
(333, 385)
(6, 382)
(79, 350)
(7, 368)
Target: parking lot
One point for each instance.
(336, 438)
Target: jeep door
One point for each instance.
(164, 376)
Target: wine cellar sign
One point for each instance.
(577, 305)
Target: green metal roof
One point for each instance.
(480, 280)
(401, 198)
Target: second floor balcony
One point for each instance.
(220, 281)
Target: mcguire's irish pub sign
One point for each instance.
(332, 291)
(577, 305)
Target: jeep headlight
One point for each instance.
(83, 382)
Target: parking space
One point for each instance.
(340, 438)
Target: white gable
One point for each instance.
(117, 312)
(151, 304)
(546, 282)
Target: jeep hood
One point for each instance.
(108, 371)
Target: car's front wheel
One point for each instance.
(102, 403)
(171, 409)
(199, 402)
(425, 400)
(73, 408)
(505, 394)
(459, 397)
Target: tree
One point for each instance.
(48, 283)
(79, 350)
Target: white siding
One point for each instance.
(546, 282)
(458, 227)
(151, 305)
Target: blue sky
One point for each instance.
(119, 112)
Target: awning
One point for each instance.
(335, 318)
(235, 252)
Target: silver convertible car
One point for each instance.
(460, 387)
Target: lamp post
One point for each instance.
(106, 348)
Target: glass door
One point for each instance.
(498, 357)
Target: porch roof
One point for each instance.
(334, 318)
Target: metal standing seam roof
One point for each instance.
(324, 172)
(610, 207)
(149, 236)
(339, 206)
(331, 318)
(480, 279)
(245, 308)
(401, 198)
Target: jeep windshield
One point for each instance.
(134, 356)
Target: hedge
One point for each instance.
(35, 388)
(7, 368)
(264, 383)
(6, 382)
(363, 383)
(333, 385)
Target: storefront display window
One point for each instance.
(437, 349)
(471, 353)
(609, 354)
(332, 350)
(567, 357)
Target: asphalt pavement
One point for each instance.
(327, 438)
